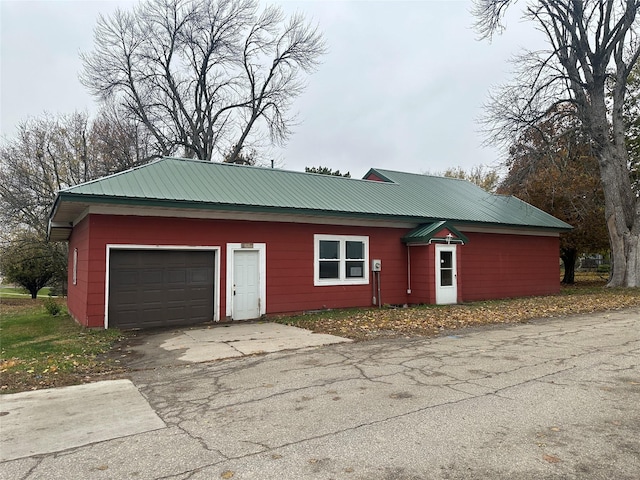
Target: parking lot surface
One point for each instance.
(556, 398)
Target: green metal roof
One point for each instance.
(426, 232)
(181, 183)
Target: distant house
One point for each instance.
(179, 242)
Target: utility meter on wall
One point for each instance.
(376, 265)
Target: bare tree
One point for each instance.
(593, 46)
(485, 177)
(46, 155)
(204, 77)
(50, 153)
(117, 142)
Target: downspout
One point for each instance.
(374, 299)
(408, 269)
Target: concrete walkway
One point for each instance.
(46, 421)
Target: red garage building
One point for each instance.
(178, 242)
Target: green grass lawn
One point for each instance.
(18, 292)
(38, 350)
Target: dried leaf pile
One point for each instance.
(432, 320)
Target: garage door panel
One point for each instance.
(151, 295)
(152, 277)
(177, 276)
(199, 276)
(198, 304)
(197, 289)
(175, 295)
(128, 277)
(199, 313)
(154, 288)
(128, 302)
(177, 311)
(128, 319)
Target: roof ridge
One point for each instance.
(112, 175)
(264, 169)
(430, 175)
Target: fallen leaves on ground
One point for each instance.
(551, 458)
(30, 379)
(432, 320)
(45, 371)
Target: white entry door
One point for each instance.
(246, 284)
(446, 275)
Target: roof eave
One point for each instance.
(88, 200)
(194, 205)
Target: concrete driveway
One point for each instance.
(550, 399)
(62, 422)
(216, 342)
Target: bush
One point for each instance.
(52, 307)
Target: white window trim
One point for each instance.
(343, 280)
(216, 271)
(74, 277)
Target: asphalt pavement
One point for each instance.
(557, 398)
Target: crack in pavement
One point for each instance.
(351, 404)
(268, 448)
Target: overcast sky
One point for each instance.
(401, 88)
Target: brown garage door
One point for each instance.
(160, 288)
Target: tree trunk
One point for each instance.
(622, 212)
(625, 252)
(569, 257)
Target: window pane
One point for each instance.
(355, 269)
(329, 249)
(446, 259)
(446, 278)
(329, 269)
(355, 250)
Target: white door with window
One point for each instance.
(446, 275)
(246, 284)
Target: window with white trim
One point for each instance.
(341, 260)
(75, 267)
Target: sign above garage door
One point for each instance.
(150, 288)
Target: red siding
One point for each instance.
(443, 234)
(422, 275)
(77, 294)
(500, 266)
(489, 266)
(289, 259)
(375, 178)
